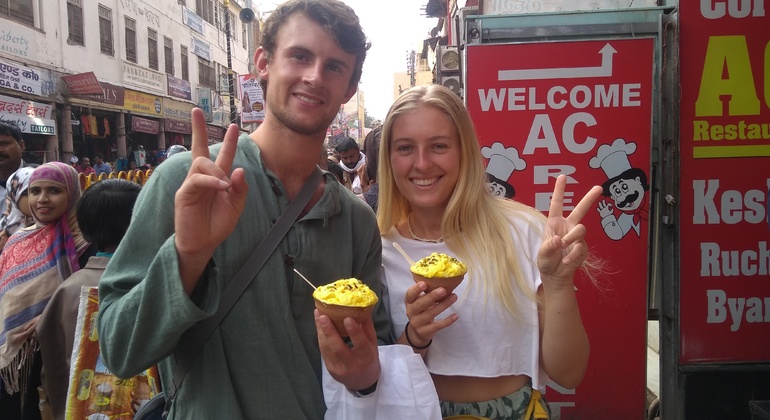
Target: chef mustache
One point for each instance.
(629, 200)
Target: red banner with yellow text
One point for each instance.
(725, 156)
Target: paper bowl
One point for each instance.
(448, 283)
(338, 313)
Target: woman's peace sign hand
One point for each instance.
(565, 250)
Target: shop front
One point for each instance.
(23, 103)
(177, 123)
(97, 124)
(145, 136)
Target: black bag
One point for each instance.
(155, 409)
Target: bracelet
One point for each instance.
(366, 391)
(406, 333)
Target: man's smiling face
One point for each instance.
(627, 193)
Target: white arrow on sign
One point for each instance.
(605, 70)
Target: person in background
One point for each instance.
(100, 166)
(52, 249)
(103, 214)
(351, 161)
(514, 321)
(17, 201)
(265, 358)
(11, 149)
(369, 185)
(84, 167)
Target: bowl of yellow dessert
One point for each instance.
(345, 298)
(439, 270)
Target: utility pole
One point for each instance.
(230, 82)
(410, 67)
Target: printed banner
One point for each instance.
(252, 102)
(94, 392)
(141, 102)
(582, 109)
(724, 182)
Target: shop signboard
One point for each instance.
(111, 95)
(31, 117)
(179, 88)
(193, 21)
(144, 78)
(252, 102)
(177, 109)
(143, 125)
(201, 48)
(204, 102)
(176, 126)
(216, 134)
(582, 109)
(143, 103)
(20, 78)
(83, 84)
(724, 182)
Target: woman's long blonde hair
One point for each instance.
(476, 225)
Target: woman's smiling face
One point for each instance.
(425, 156)
(48, 201)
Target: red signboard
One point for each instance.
(83, 84)
(725, 154)
(584, 109)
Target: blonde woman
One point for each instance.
(514, 322)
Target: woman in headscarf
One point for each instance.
(17, 204)
(34, 262)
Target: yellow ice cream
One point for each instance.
(346, 292)
(439, 265)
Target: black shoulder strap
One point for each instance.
(189, 348)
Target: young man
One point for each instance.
(100, 166)
(264, 360)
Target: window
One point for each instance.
(205, 10)
(75, 22)
(152, 48)
(206, 75)
(168, 55)
(185, 64)
(131, 40)
(21, 11)
(105, 30)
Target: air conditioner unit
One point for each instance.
(448, 59)
(453, 83)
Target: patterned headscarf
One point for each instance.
(17, 185)
(34, 262)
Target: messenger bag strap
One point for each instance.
(189, 348)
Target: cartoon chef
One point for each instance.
(625, 185)
(502, 163)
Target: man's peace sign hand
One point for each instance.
(209, 203)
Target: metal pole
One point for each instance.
(230, 84)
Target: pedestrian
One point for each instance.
(85, 167)
(513, 322)
(100, 166)
(103, 214)
(264, 359)
(34, 262)
(16, 199)
(351, 161)
(369, 185)
(11, 149)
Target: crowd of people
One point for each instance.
(163, 265)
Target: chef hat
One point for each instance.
(613, 159)
(502, 161)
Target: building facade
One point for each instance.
(119, 77)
